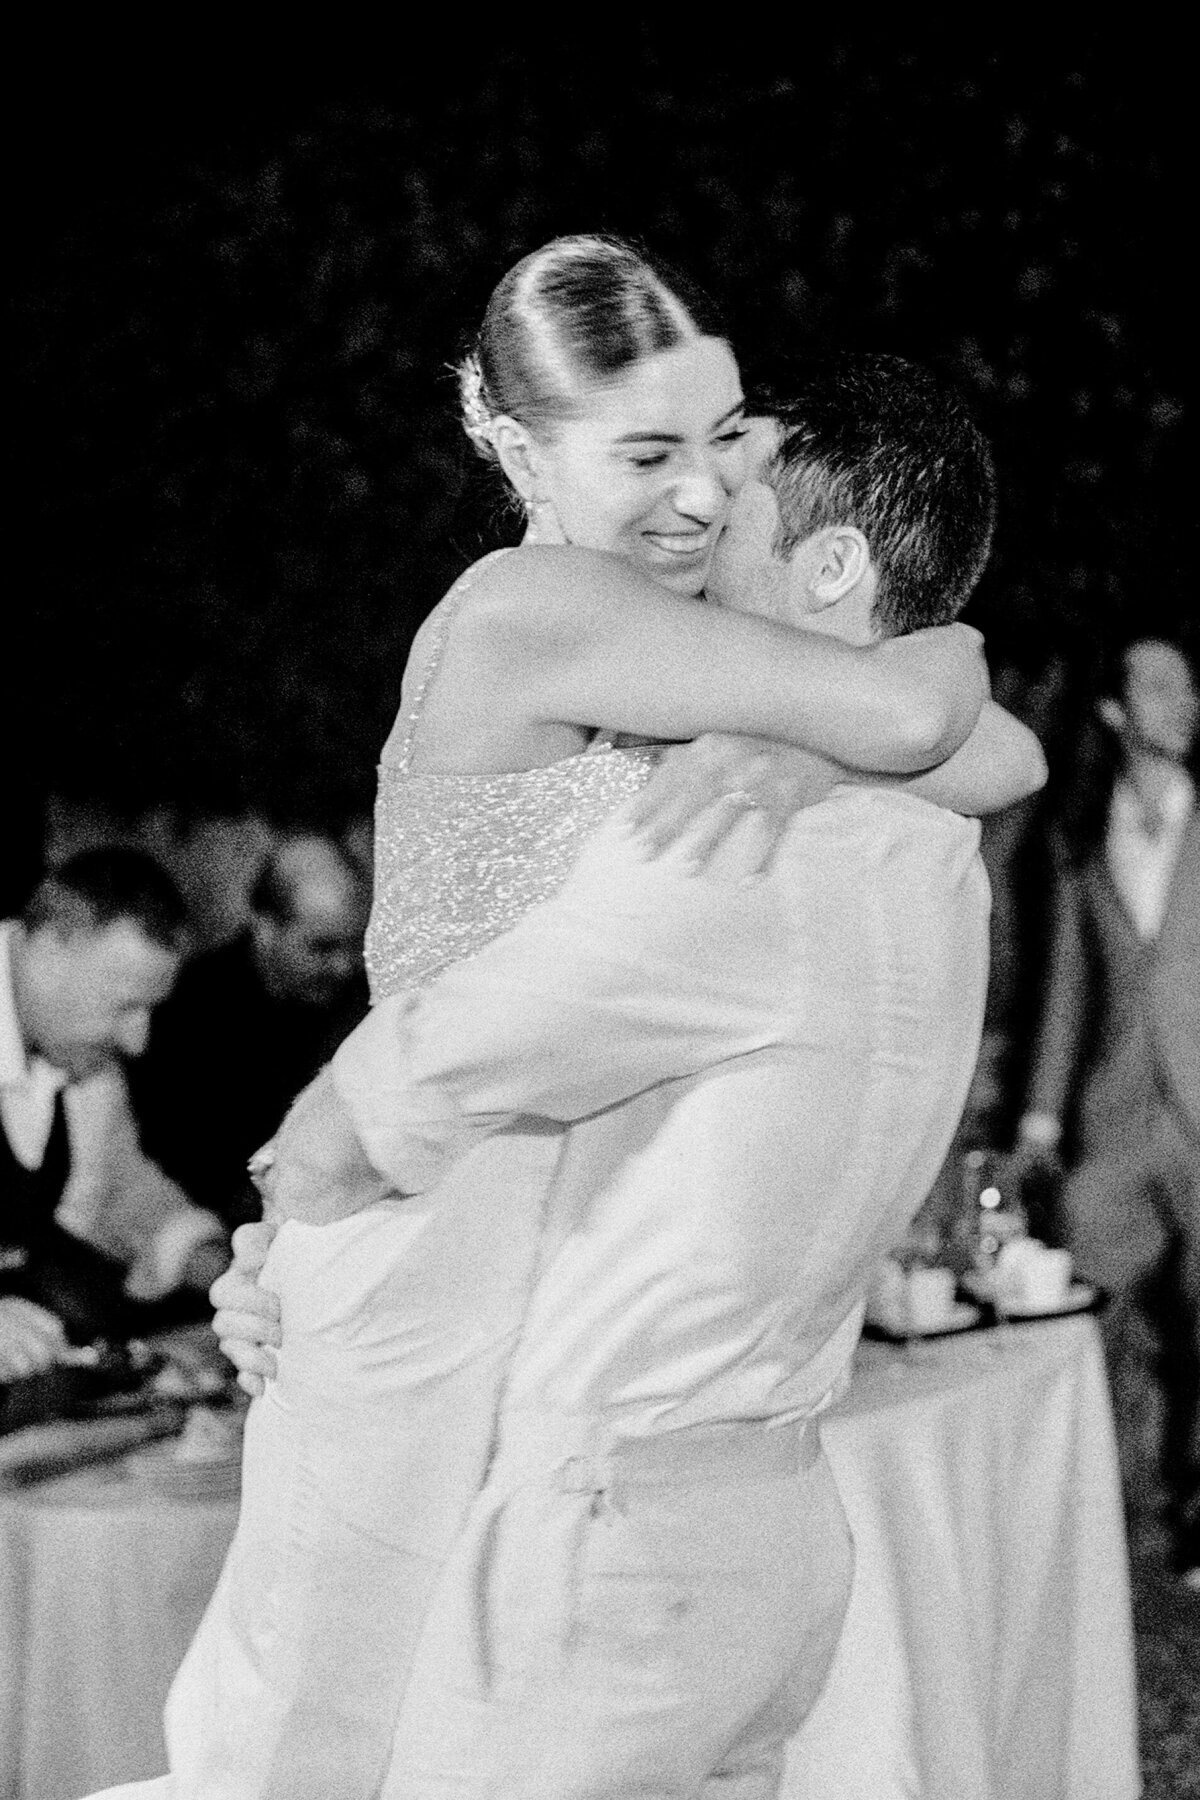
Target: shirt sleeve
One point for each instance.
(636, 973)
(120, 1201)
(1175, 988)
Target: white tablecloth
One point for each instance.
(988, 1649)
(987, 1652)
(102, 1584)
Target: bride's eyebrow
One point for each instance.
(675, 437)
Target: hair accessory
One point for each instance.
(477, 417)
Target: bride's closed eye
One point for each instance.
(654, 459)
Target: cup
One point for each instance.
(929, 1298)
(1031, 1277)
(1045, 1281)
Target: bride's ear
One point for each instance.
(517, 454)
(521, 458)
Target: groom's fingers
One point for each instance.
(253, 1324)
(250, 1245)
(248, 1356)
(234, 1292)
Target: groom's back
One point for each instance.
(740, 1209)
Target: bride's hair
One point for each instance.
(577, 312)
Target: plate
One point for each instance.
(1080, 1297)
(157, 1466)
(963, 1316)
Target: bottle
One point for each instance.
(989, 1219)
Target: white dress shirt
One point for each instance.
(115, 1197)
(754, 1084)
(1141, 857)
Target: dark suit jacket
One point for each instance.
(224, 1063)
(1118, 1055)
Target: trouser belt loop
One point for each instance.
(694, 1457)
(580, 1455)
(586, 1475)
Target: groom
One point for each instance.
(755, 1083)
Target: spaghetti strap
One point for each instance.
(398, 758)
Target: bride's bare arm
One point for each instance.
(571, 636)
(702, 788)
(1001, 762)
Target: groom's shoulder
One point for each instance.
(882, 838)
(867, 815)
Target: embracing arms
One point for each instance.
(632, 975)
(1000, 763)
(581, 637)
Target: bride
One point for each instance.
(612, 404)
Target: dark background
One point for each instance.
(239, 481)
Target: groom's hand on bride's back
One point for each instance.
(246, 1315)
(319, 1172)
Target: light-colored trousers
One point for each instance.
(654, 1622)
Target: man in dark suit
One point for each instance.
(1116, 1073)
(251, 1022)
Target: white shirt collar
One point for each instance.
(28, 1084)
(1141, 861)
(18, 1068)
(14, 1061)
(1177, 800)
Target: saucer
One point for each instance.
(1079, 1297)
(962, 1316)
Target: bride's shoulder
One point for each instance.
(536, 597)
(511, 599)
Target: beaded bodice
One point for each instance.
(459, 858)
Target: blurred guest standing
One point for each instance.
(251, 1022)
(1116, 1075)
(87, 1223)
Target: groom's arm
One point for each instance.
(635, 973)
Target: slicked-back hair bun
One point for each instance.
(476, 409)
(575, 314)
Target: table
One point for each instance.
(988, 1651)
(102, 1584)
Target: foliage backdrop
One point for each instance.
(239, 477)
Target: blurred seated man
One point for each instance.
(1116, 1073)
(90, 1230)
(251, 1022)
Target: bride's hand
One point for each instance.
(246, 1316)
(702, 790)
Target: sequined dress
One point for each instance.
(364, 1455)
(459, 858)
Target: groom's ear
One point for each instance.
(841, 559)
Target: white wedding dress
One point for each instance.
(362, 1458)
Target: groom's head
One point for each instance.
(871, 510)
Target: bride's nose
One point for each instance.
(699, 492)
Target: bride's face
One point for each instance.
(649, 467)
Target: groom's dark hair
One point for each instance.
(887, 446)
